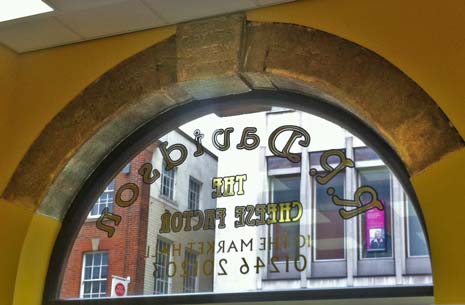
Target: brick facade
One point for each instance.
(126, 249)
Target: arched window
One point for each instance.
(255, 197)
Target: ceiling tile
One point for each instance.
(78, 20)
(73, 5)
(116, 18)
(36, 33)
(173, 11)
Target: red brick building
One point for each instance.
(95, 258)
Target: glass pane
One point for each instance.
(104, 272)
(365, 154)
(96, 272)
(105, 259)
(274, 214)
(417, 241)
(285, 235)
(95, 210)
(95, 287)
(105, 200)
(103, 287)
(329, 226)
(97, 259)
(87, 287)
(88, 260)
(87, 273)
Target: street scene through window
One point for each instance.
(275, 199)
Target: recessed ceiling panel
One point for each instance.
(80, 20)
(180, 10)
(45, 31)
(10, 10)
(73, 5)
(120, 17)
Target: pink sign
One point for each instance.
(375, 230)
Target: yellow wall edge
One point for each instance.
(15, 223)
(33, 262)
(440, 191)
(8, 80)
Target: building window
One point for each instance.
(126, 169)
(94, 275)
(167, 182)
(329, 226)
(104, 201)
(161, 267)
(285, 235)
(190, 277)
(376, 240)
(417, 245)
(194, 194)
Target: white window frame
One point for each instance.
(83, 281)
(166, 278)
(190, 190)
(171, 175)
(109, 194)
(191, 265)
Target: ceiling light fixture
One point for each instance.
(13, 9)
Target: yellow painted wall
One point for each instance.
(34, 87)
(47, 80)
(425, 39)
(440, 192)
(15, 223)
(8, 74)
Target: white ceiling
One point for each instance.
(80, 20)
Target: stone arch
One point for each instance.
(225, 56)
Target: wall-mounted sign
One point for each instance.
(119, 286)
(375, 230)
